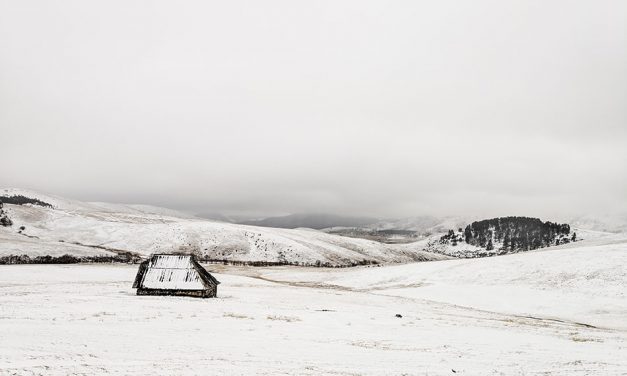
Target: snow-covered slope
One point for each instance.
(145, 230)
(461, 249)
(583, 282)
(79, 206)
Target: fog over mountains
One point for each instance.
(420, 224)
(315, 221)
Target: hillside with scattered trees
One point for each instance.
(503, 235)
(23, 200)
(516, 233)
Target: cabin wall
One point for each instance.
(140, 274)
(208, 293)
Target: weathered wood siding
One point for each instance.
(208, 293)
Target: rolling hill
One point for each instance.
(87, 229)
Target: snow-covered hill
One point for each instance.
(583, 282)
(80, 228)
(79, 206)
(461, 249)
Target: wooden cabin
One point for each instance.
(179, 275)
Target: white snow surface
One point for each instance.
(72, 224)
(550, 312)
(583, 282)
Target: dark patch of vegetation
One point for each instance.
(452, 237)
(501, 236)
(22, 200)
(64, 259)
(516, 233)
(121, 254)
(397, 232)
(5, 221)
(317, 264)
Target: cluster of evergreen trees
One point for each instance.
(4, 219)
(516, 233)
(21, 200)
(452, 238)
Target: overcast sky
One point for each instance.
(386, 108)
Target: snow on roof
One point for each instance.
(171, 262)
(172, 279)
(174, 272)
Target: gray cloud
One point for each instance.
(377, 108)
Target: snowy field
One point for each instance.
(558, 312)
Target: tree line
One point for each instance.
(22, 200)
(316, 264)
(516, 233)
(65, 259)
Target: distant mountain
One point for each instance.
(616, 223)
(423, 225)
(420, 225)
(315, 221)
(216, 217)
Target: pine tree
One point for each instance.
(489, 246)
(507, 241)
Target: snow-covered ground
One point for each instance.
(583, 282)
(550, 312)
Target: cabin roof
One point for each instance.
(161, 261)
(173, 272)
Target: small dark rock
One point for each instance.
(399, 315)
